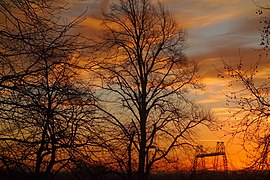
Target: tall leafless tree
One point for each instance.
(45, 107)
(145, 80)
(248, 96)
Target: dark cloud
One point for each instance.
(91, 7)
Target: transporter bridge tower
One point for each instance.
(218, 154)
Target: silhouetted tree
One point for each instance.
(145, 81)
(248, 97)
(45, 107)
(263, 9)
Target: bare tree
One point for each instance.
(145, 80)
(248, 96)
(263, 11)
(46, 108)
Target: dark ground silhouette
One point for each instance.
(109, 175)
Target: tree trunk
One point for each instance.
(142, 153)
(52, 159)
(141, 174)
(39, 156)
(129, 171)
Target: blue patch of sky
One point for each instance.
(220, 35)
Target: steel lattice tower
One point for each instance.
(218, 152)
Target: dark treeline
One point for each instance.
(174, 175)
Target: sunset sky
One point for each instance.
(216, 29)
